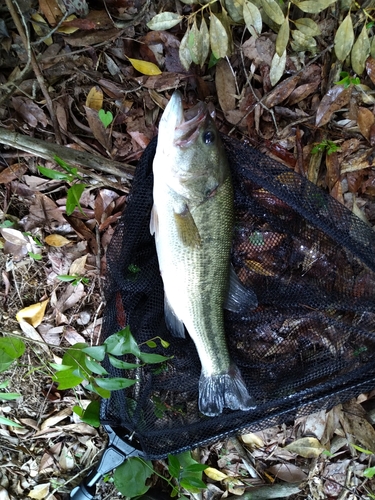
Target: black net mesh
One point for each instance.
(309, 345)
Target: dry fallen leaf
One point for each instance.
(306, 447)
(32, 334)
(33, 314)
(78, 266)
(56, 240)
(94, 99)
(215, 474)
(288, 472)
(365, 120)
(252, 440)
(336, 98)
(40, 491)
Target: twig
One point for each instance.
(73, 157)
(34, 63)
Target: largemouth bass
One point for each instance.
(192, 219)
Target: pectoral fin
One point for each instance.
(154, 221)
(174, 325)
(239, 297)
(187, 229)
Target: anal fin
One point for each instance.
(239, 297)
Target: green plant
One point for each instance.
(81, 363)
(106, 117)
(74, 279)
(75, 191)
(209, 28)
(326, 145)
(185, 473)
(347, 80)
(11, 349)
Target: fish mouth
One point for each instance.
(184, 127)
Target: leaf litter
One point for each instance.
(283, 83)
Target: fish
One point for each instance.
(192, 219)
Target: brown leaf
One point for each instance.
(43, 211)
(354, 421)
(101, 134)
(303, 91)
(281, 91)
(165, 81)
(51, 11)
(370, 68)
(225, 85)
(336, 98)
(84, 232)
(288, 472)
(29, 111)
(12, 172)
(365, 120)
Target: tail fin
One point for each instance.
(224, 390)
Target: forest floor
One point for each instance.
(97, 83)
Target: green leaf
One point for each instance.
(302, 42)
(121, 343)
(95, 367)
(314, 6)
(151, 343)
(307, 26)
(66, 277)
(360, 51)
(196, 467)
(282, 38)
(192, 484)
(11, 348)
(35, 256)
(184, 51)
(75, 358)
(344, 38)
(73, 196)
(97, 352)
(164, 21)
(370, 472)
(174, 466)
(9, 396)
(164, 343)
(4, 385)
(235, 9)
(273, 11)
(362, 450)
(7, 421)
(54, 174)
(114, 383)
(205, 39)
(195, 43)
(123, 365)
(218, 37)
(151, 358)
(93, 387)
(130, 478)
(253, 18)
(106, 117)
(90, 415)
(277, 67)
(66, 379)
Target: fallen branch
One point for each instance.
(79, 159)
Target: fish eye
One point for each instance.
(208, 137)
